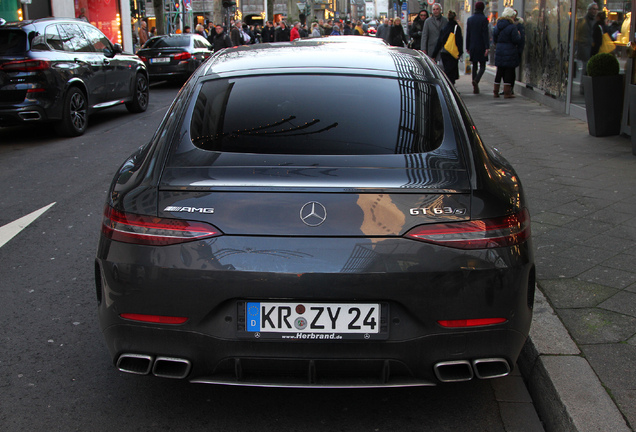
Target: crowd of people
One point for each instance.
(428, 33)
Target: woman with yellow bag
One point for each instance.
(603, 42)
(451, 46)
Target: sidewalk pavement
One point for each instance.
(582, 197)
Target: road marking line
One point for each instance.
(12, 229)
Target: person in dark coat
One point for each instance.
(477, 43)
(282, 33)
(219, 39)
(268, 32)
(416, 29)
(450, 63)
(507, 39)
(396, 34)
(597, 32)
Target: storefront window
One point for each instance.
(103, 14)
(545, 58)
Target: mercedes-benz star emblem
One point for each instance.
(313, 214)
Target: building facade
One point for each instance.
(552, 63)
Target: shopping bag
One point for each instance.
(451, 45)
(608, 44)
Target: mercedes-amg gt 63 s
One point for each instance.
(281, 230)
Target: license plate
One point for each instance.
(290, 320)
(160, 60)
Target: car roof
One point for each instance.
(322, 54)
(25, 23)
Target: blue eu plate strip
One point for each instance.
(253, 317)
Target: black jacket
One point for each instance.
(282, 35)
(397, 36)
(220, 41)
(477, 37)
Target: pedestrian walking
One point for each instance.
(236, 34)
(220, 39)
(522, 44)
(282, 33)
(584, 37)
(335, 31)
(358, 30)
(450, 63)
(507, 39)
(295, 32)
(383, 30)
(477, 43)
(431, 30)
(396, 34)
(143, 33)
(315, 30)
(268, 32)
(200, 31)
(416, 29)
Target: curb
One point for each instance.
(567, 394)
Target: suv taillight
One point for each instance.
(25, 66)
(476, 234)
(154, 231)
(182, 56)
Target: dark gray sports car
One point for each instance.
(281, 230)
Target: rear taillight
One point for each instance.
(183, 56)
(143, 59)
(478, 322)
(155, 231)
(157, 319)
(477, 234)
(25, 66)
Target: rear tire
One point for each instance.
(140, 96)
(74, 114)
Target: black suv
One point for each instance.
(62, 70)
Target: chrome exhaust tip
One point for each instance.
(491, 368)
(139, 364)
(30, 115)
(453, 371)
(170, 367)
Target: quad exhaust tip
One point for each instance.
(463, 370)
(169, 367)
(138, 364)
(165, 367)
(491, 368)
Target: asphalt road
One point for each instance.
(55, 372)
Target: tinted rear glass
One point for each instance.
(321, 115)
(12, 42)
(168, 42)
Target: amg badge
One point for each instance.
(189, 209)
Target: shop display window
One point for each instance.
(103, 14)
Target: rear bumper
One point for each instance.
(21, 115)
(270, 364)
(207, 281)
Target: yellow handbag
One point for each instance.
(608, 44)
(451, 45)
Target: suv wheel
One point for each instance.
(74, 114)
(140, 97)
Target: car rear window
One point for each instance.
(168, 42)
(12, 42)
(321, 115)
